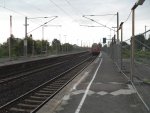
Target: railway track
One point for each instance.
(34, 99)
(18, 85)
(29, 94)
(8, 71)
(20, 74)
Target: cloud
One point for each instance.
(70, 16)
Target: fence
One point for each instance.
(140, 70)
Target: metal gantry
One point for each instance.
(26, 30)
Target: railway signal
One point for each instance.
(104, 40)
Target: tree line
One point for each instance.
(34, 47)
(142, 47)
(140, 42)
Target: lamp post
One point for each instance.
(139, 2)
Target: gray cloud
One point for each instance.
(72, 10)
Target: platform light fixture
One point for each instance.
(140, 2)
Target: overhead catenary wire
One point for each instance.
(16, 12)
(90, 26)
(74, 8)
(113, 15)
(101, 15)
(144, 32)
(61, 9)
(125, 21)
(4, 6)
(42, 24)
(68, 2)
(13, 11)
(33, 6)
(128, 17)
(98, 23)
(110, 19)
(143, 44)
(19, 13)
(85, 16)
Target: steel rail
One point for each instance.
(21, 75)
(25, 66)
(6, 80)
(37, 88)
(36, 109)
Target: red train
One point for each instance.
(96, 48)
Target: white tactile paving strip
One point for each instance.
(128, 91)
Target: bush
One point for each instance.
(142, 54)
(126, 53)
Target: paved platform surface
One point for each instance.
(7, 61)
(100, 88)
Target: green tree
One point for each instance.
(56, 45)
(139, 38)
(29, 44)
(67, 47)
(125, 45)
(37, 46)
(15, 46)
(4, 49)
(148, 42)
(45, 45)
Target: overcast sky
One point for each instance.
(70, 18)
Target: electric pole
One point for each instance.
(25, 40)
(117, 27)
(10, 37)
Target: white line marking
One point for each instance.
(87, 89)
(84, 75)
(134, 88)
(96, 61)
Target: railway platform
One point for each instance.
(100, 88)
(7, 61)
